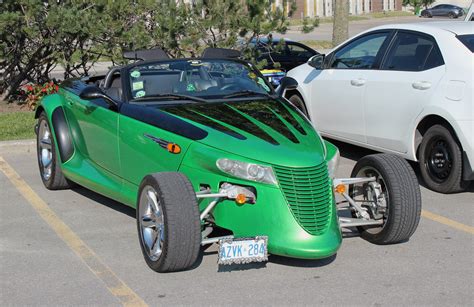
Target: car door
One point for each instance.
(94, 126)
(298, 54)
(337, 91)
(440, 10)
(398, 91)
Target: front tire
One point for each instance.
(168, 223)
(48, 159)
(399, 205)
(441, 161)
(299, 103)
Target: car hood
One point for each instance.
(267, 130)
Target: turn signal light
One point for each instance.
(240, 199)
(340, 188)
(173, 148)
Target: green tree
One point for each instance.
(418, 3)
(38, 35)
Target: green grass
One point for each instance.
(390, 14)
(17, 126)
(299, 22)
(317, 44)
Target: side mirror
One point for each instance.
(286, 84)
(317, 61)
(93, 92)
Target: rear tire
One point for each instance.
(168, 223)
(48, 158)
(401, 192)
(299, 103)
(441, 161)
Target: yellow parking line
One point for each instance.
(113, 283)
(448, 222)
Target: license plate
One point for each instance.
(242, 250)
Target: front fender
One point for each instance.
(52, 106)
(48, 104)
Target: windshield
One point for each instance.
(185, 79)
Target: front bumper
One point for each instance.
(270, 216)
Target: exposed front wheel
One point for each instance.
(168, 222)
(48, 159)
(299, 103)
(441, 160)
(394, 198)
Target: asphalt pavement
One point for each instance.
(75, 247)
(324, 30)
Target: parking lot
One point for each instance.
(76, 247)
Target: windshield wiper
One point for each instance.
(247, 93)
(171, 97)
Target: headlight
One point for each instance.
(247, 171)
(332, 165)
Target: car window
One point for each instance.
(299, 51)
(274, 49)
(412, 52)
(467, 40)
(359, 54)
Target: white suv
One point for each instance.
(405, 89)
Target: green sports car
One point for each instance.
(208, 152)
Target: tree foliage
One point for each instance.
(38, 35)
(418, 3)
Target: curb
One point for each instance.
(15, 143)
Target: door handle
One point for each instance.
(421, 85)
(358, 82)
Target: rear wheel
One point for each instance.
(299, 103)
(425, 14)
(48, 159)
(441, 160)
(394, 198)
(168, 222)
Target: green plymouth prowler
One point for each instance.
(207, 152)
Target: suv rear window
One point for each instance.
(467, 40)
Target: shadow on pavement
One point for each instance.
(110, 203)
(302, 263)
(355, 153)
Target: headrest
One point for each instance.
(150, 54)
(220, 53)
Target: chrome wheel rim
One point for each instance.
(366, 195)
(45, 151)
(151, 219)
